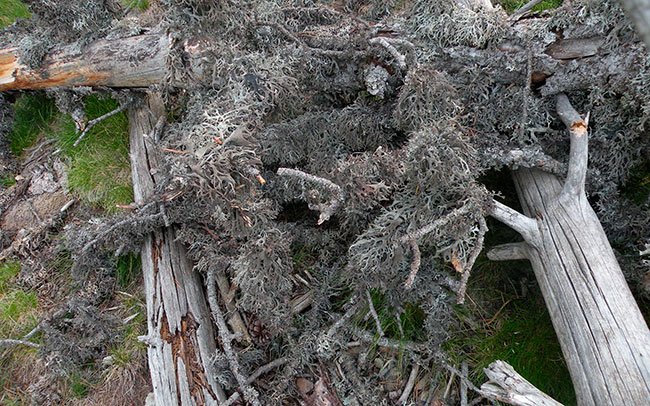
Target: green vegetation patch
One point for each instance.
(128, 269)
(139, 4)
(18, 306)
(499, 322)
(128, 349)
(34, 112)
(513, 5)
(99, 170)
(10, 10)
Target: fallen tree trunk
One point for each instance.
(181, 337)
(604, 338)
(138, 61)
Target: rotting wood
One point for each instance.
(506, 385)
(181, 336)
(604, 338)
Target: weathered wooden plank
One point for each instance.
(181, 335)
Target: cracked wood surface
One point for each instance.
(604, 338)
(180, 330)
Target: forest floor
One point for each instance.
(47, 185)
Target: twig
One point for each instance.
(470, 262)
(469, 383)
(9, 342)
(374, 314)
(463, 385)
(526, 93)
(415, 264)
(318, 51)
(385, 342)
(99, 119)
(32, 333)
(250, 394)
(401, 59)
(256, 374)
(334, 203)
(409, 385)
(421, 232)
(347, 316)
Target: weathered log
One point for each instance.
(138, 61)
(181, 338)
(604, 338)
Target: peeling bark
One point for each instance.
(180, 331)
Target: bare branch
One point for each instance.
(256, 374)
(99, 119)
(374, 314)
(9, 342)
(523, 10)
(575, 181)
(409, 385)
(250, 394)
(524, 225)
(415, 264)
(506, 385)
(509, 252)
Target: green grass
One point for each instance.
(8, 180)
(78, 387)
(511, 6)
(500, 324)
(10, 10)
(34, 112)
(127, 270)
(139, 4)
(128, 349)
(18, 306)
(8, 271)
(99, 170)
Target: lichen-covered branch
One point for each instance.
(337, 192)
(250, 394)
(478, 247)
